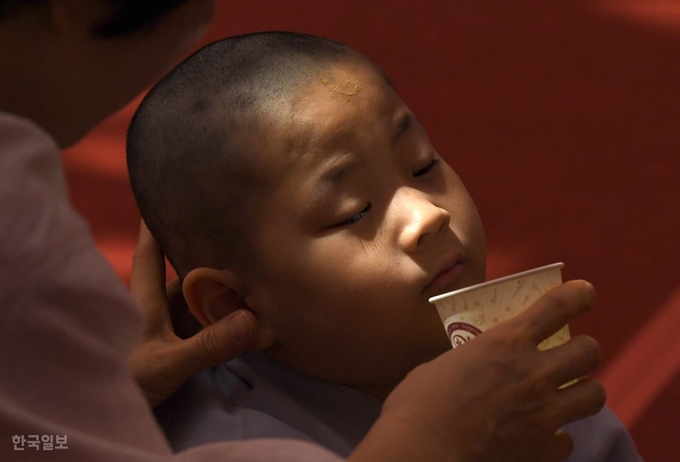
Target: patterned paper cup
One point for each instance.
(468, 312)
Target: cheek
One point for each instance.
(332, 279)
(340, 268)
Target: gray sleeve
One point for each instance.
(68, 326)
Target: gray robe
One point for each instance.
(254, 397)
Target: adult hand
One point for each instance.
(496, 398)
(163, 361)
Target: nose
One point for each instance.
(420, 219)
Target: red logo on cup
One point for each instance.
(461, 333)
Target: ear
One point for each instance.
(213, 294)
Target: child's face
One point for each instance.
(355, 232)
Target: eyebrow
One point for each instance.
(406, 121)
(336, 173)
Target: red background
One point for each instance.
(562, 119)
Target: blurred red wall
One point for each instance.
(562, 118)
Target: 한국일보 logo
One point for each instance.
(461, 333)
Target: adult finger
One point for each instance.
(176, 303)
(578, 401)
(555, 309)
(173, 289)
(560, 447)
(574, 359)
(216, 344)
(147, 280)
(184, 324)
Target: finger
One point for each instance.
(555, 309)
(184, 324)
(584, 398)
(572, 360)
(177, 304)
(148, 266)
(173, 289)
(147, 280)
(561, 446)
(216, 344)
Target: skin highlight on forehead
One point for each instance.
(341, 82)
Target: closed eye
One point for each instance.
(428, 168)
(357, 217)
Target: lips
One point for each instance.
(450, 270)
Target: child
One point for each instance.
(282, 173)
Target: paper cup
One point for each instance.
(468, 312)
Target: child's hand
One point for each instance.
(495, 398)
(163, 361)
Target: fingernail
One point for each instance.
(240, 328)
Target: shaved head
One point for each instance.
(192, 146)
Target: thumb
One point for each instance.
(217, 343)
